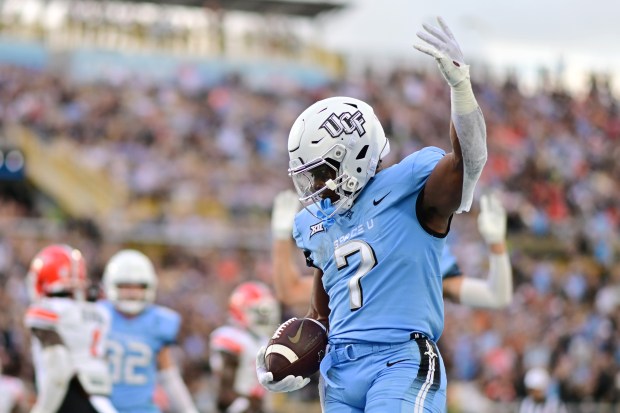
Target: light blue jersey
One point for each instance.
(381, 267)
(449, 266)
(133, 346)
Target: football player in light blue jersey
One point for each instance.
(141, 336)
(375, 238)
(495, 291)
(294, 289)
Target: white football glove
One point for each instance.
(492, 219)
(285, 207)
(441, 44)
(265, 378)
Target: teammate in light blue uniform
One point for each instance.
(376, 315)
(387, 239)
(378, 236)
(493, 292)
(140, 338)
(133, 346)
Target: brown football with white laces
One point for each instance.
(296, 348)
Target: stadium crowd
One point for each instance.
(199, 153)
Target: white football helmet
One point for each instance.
(253, 306)
(130, 268)
(334, 147)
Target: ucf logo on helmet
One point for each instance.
(345, 123)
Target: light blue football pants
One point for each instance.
(384, 378)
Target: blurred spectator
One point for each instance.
(538, 400)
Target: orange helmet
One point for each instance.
(57, 269)
(253, 306)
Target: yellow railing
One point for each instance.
(54, 168)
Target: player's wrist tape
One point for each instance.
(471, 131)
(462, 95)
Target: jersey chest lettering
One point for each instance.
(355, 232)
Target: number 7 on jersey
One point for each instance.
(368, 260)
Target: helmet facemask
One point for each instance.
(321, 180)
(132, 298)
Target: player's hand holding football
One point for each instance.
(265, 378)
(492, 219)
(285, 207)
(441, 44)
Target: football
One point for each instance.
(296, 348)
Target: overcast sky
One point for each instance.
(526, 34)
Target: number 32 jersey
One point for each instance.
(381, 267)
(133, 346)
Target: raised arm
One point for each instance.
(291, 287)
(496, 290)
(451, 185)
(58, 367)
